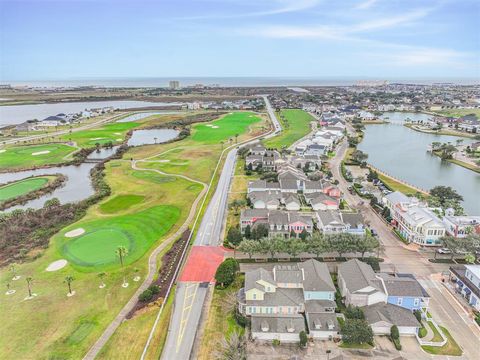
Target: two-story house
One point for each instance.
(277, 301)
(467, 283)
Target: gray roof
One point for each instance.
(318, 306)
(353, 219)
(292, 197)
(288, 274)
(321, 322)
(313, 185)
(357, 275)
(393, 314)
(270, 324)
(403, 286)
(317, 276)
(281, 297)
(329, 216)
(289, 184)
(251, 278)
(397, 197)
(249, 213)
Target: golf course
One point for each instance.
(295, 123)
(27, 156)
(22, 187)
(113, 132)
(145, 208)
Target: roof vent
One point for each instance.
(264, 326)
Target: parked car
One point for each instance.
(373, 232)
(444, 251)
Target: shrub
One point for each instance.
(418, 315)
(354, 312)
(225, 274)
(356, 331)
(394, 332)
(397, 344)
(303, 339)
(146, 296)
(275, 342)
(154, 289)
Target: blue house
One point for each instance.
(405, 291)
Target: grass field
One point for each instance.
(54, 326)
(23, 187)
(459, 112)
(18, 157)
(451, 348)
(397, 186)
(120, 203)
(296, 124)
(224, 128)
(114, 132)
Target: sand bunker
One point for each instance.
(57, 265)
(117, 133)
(163, 161)
(2, 151)
(41, 152)
(96, 138)
(209, 125)
(75, 232)
(118, 139)
(214, 127)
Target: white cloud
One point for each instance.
(412, 56)
(366, 4)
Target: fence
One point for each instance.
(438, 328)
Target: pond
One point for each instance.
(152, 136)
(402, 153)
(143, 115)
(17, 114)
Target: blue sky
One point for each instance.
(43, 39)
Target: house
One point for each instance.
(265, 199)
(461, 226)
(413, 220)
(312, 187)
(359, 285)
(316, 149)
(381, 317)
(275, 301)
(467, 283)
(292, 202)
(321, 201)
(262, 185)
(266, 160)
(281, 223)
(333, 221)
(405, 291)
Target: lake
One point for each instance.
(17, 114)
(152, 136)
(402, 153)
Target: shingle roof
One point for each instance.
(317, 276)
(352, 219)
(285, 324)
(321, 322)
(318, 306)
(403, 286)
(281, 297)
(393, 314)
(357, 275)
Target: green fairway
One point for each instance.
(224, 128)
(120, 202)
(114, 132)
(18, 157)
(137, 232)
(22, 187)
(296, 124)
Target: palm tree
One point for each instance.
(236, 138)
(13, 270)
(121, 253)
(29, 280)
(68, 280)
(101, 276)
(222, 142)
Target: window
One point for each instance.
(416, 302)
(399, 301)
(254, 296)
(253, 310)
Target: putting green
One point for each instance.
(21, 156)
(225, 128)
(120, 202)
(111, 132)
(137, 232)
(22, 187)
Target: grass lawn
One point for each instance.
(54, 326)
(436, 335)
(397, 186)
(451, 348)
(120, 203)
(114, 132)
(459, 112)
(224, 128)
(18, 157)
(355, 346)
(23, 187)
(295, 123)
(220, 321)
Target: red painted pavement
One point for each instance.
(202, 263)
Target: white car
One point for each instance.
(444, 251)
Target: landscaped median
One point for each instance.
(436, 339)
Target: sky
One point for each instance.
(382, 39)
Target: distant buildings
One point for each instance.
(174, 85)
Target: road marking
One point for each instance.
(186, 311)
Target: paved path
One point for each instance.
(189, 299)
(152, 267)
(445, 310)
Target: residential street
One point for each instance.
(189, 299)
(443, 306)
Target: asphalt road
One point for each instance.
(443, 306)
(190, 296)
